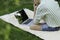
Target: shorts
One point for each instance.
(45, 27)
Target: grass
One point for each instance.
(8, 6)
(8, 31)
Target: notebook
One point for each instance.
(25, 17)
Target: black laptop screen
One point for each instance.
(23, 15)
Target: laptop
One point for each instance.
(25, 19)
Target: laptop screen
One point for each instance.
(23, 15)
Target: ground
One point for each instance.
(8, 31)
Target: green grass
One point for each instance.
(8, 6)
(8, 31)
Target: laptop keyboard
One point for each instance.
(27, 21)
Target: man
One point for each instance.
(47, 10)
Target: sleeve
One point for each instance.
(40, 13)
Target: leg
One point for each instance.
(36, 27)
(44, 27)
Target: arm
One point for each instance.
(40, 13)
(36, 3)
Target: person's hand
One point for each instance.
(36, 27)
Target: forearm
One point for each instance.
(36, 3)
(36, 21)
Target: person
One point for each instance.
(48, 11)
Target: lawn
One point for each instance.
(8, 6)
(8, 31)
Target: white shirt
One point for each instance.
(48, 11)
